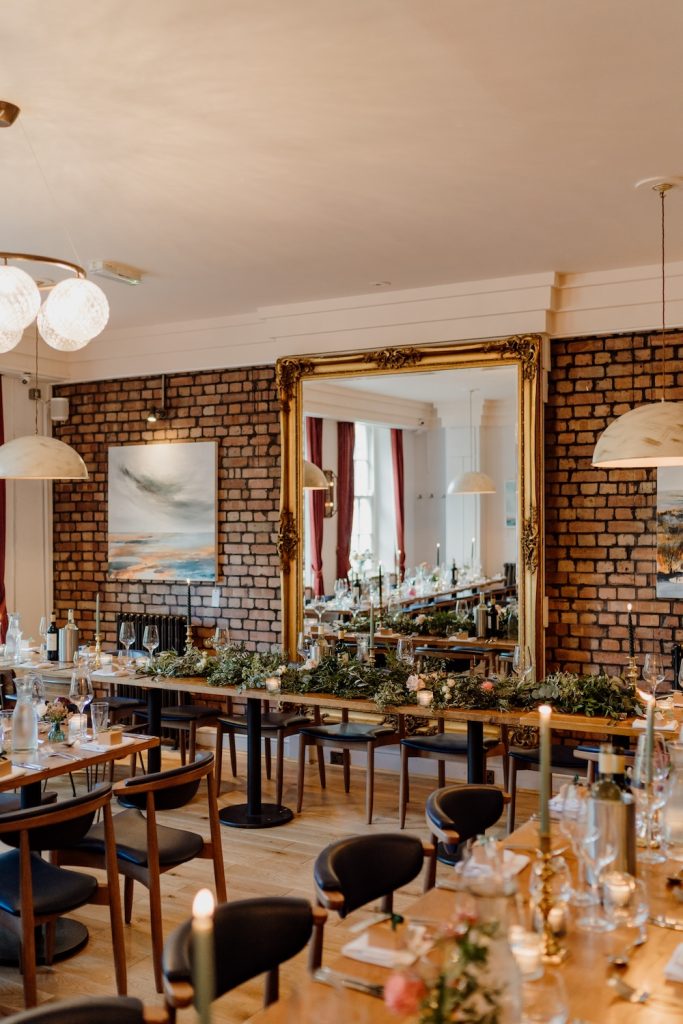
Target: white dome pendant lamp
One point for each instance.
(314, 478)
(472, 482)
(650, 435)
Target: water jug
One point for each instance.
(24, 718)
(672, 815)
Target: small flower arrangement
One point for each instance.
(57, 710)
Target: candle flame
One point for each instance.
(545, 711)
(629, 607)
(203, 904)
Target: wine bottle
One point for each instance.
(611, 781)
(341, 652)
(51, 639)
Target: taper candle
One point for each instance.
(454, 574)
(189, 605)
(649, 737)
(438, 555)
(631, 634)
(203, 965)
(474, 541)
(379, 580)
(545, 712)
(97, 614)
(372, 624)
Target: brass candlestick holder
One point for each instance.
(189, 642)
(97, 662)
(551, 951)
(632, 670)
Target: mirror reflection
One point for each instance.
(422, 499)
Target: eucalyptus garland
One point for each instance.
(441, 624)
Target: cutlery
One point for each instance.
(64, 754)
(633, 995)
(329, 977)
(27, 764)
(623, 959)
(661, 921)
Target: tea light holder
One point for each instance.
(551, 950)
(273, 684)
(77, 725)
(619, 887)
(424, 698)
(526, 949)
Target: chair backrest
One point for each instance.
(54, 826)
(364, 868)
(468, 809)
(171, 789)
(107, 1010)
(250, 938)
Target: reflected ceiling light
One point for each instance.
(314, 478)
(652, 434)
(472, 482)
(37, 457)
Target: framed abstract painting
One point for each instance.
(670, 532)
(162, 512)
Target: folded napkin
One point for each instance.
(99, 747)
(383, 950)
(674, 969)
(661, 723)
(512, 864)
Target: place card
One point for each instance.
(110, 737)
(661, 723)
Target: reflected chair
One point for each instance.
(184, 719)
(34, 892)
(352, 872)
(347, 736)
(105, 1010)
(444, 746)
(275, 725)
(562, 762)
(146, 849)
(456, 814)
(251, 937)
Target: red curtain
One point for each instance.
(399, 498)
(3, 530)
(316, 499)
(346, 438)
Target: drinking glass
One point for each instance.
(303, 646)
(574, 826)
(221, 639)
(362, 649)
(127, 637)
(38, 696)
(653, 674)
(99, 717)
(405, 651)
(545, 1001)
(42, 629)
(6, 721)
(598, 849)
(150, 641)
(80, 692)
(649, 784)
(522, 664)
(625, 901)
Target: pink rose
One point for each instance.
(414, 683)
(404, 992)
(487, 686)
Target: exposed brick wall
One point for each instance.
(236, 408)
(600, 524)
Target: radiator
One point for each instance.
(172, 630)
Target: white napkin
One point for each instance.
(661, 723)
(674, 969)
(513, 863)
(362, 948)
(99, 747)
(566, 801)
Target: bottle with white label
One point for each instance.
(51, 639)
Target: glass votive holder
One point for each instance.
(77, 726)
(527, 950)
(424, 698)
(106, 659)
(362, 649)
(273, 684)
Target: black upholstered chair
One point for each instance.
(442, 747)
(35, 892)
(146, 849)
(352, 872)
(251, 937)
(562, 762)
(106, 1010)
(275, 725)
(347, 736)
(184, 719)
(455, 814)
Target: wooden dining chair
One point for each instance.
(105, 1010)
(34, 892)
(563, 761)
(456, 814)
(251, 937)
(146, 849)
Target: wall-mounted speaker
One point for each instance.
(59, 410)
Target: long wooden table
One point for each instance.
(585, 972)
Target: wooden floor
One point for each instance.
(257, 863)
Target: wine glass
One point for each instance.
(522, 664)
(545, 1001)
(150, 641)
(405, 651)
(221, 639)
(38, 695)
(80, 692)
(649, 784)
(127, 637)
(574, 826)
(303, 646)
(625, 901)
(42, 630)
(653, 674)
(599, 847)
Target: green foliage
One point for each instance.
(598, 695)
(441, 624)
(462, 990)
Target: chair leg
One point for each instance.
(50, 934)
(193, 741)
(182, 743)
(28, 962)
(268, 758)
(513, 795)
(430, 875)
(320, 751)
(279, 766)
(402, 788)
(441, 774)
(300, 774)
(233, 753)
(156, 927)
(218, 756)
(127, 899)
(346, 766)
(370, 784)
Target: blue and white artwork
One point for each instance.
(162, 512)
(670, 532)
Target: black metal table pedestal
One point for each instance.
(476, 758)
(254, 814)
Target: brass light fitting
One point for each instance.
(9, 112)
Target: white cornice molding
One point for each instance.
(560, 305)
(339, 403)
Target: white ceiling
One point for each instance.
(440, 387)
(258, 152)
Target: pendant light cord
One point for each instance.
(35, 381)
(662, 196)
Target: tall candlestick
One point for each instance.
(545, 712)
(189, 615)
(379, 581)
(97, 615)
(649, 737)
(474, 541)
(454, 574)
(438, 555)
(631, 634)
(372, 625)
(203, 955)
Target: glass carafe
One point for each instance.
(24, 718)
(672, 815)
(13, 638)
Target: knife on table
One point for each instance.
(329, 977)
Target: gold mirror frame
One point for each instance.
(523, 351)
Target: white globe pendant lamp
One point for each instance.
(314, 478)
(473, 481)
(649, 435)
(36, 457)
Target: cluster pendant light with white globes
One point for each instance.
(649, 435)
(473, 481)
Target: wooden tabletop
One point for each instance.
(78, 758)
(584, 972)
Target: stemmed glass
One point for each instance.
(522, 664)
(650, 787)
(42, 629)
(405, 651)
(653, 674)
(625, 901)
(150, 641)
(575, 825)
(38, 696)
(599, 847)
(127, 637)
(221, 639)
(80, 692)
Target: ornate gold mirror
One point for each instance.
(415, 380)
